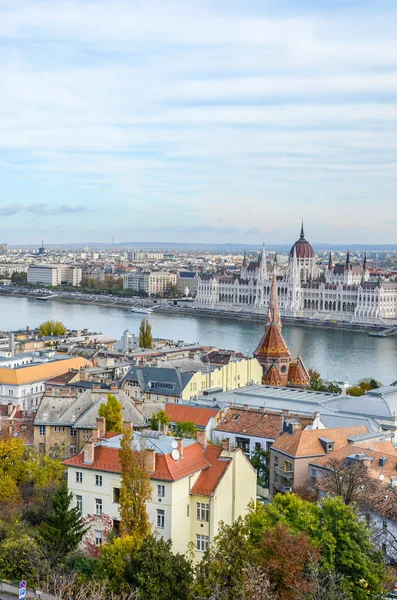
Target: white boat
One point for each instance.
(141, 310)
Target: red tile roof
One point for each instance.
(108, 459)
(209, 479)
(179, 413)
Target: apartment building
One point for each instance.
(23, 384)
(152, 283)
(165, 384)
(66, 420)
(54, 275)
(195, 487)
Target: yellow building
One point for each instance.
(169, 384)
(194, 487)
(24, 384)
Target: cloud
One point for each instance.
(41, 209)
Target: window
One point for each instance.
(98, 479)
(42, 448)
(313, 476)
(235, 417)
(79, 503)
(42, 429)
(73, 449)
(384, 525)
(116, 495)
(188, 510)
(86, 435)
(116, 526)
(203, 511)
(275, 460)
(258, 447)
(98, 538)
(73, 432)
(79, 477)
(244, 444)
(160, 518)
(202, 542)
(161, 491)
(98, 506)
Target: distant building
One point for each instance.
(195, 487)
(341, 292)
(151, 282)
(127, 343)
(54, 275)
(188, 279)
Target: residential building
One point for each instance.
(24, 384)
(189, 280)
(256, 429)
(66, 420)
(153, 283)
(54, 275)
(205, 419)
(295, 450)
(162, 384)
(14, 423)
(195, 487)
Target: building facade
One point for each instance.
(152, 283)
(340, 292)
(54, 275)
(195, 487)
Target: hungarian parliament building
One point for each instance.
(340, 292)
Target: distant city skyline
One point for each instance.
(212, 122)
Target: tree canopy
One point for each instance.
(112, 412)
(145, 335)
(52, 328)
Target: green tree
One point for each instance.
(318, 385)
(19, 278)
(19, 557)
(112, 412)
(52, 328)
(135, 490)
(163, 419)
(63, 529)
(145, 335)
(260, 462)
(154, 422)
(159, 573)
(187, 429)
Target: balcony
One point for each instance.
(288, 474)
(282, 488)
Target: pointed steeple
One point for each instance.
(365, 263)
(302, 237)
(348, 260)
(273, 313)
(330, 261)
(245, 258)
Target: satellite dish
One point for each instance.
(175, 454)
(174, 444)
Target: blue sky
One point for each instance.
(198, 121)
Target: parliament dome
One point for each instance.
(302, 248)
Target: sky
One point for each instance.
(223, 121)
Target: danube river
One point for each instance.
(336, 354)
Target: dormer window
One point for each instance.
(235, 417)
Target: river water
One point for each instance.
(336, 354)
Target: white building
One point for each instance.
(127, 343)
(54, 275)
(194, 487)
(151, 282)
(342, 292)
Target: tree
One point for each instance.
(365, 385)
(187, 429)
(348, 481)
(260, 462)
(135, 490)
(318, 385)
(52, 328)
(112, 412)
(19, 278)
(19, 557)
(62, 530)
(159, 573)
(145, 335)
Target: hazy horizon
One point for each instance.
(219, 122)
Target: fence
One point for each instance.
(13, 590)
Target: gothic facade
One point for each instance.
(338, 292)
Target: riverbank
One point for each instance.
(182, 309)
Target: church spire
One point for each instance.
(302, 232)
(330, 261)
(273, 313)
(245, 258)
(348, 260)
(365, 263)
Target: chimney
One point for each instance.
(89, 453)
(201, 437)
(64, 392)
(96, 387)
(114, 388)
(150, 460)
(382, 461)
(180, 446)
(226, 444)
(101, 426)
(128, 426)
(10, 409)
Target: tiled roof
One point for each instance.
(273, 377)
(297, 374)
(306, 442)
(40, 372)
(208, 479)
(179, 413)
(272, 344)
(256, 423)
(221, 357)
(62, 379)
(167, 469)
